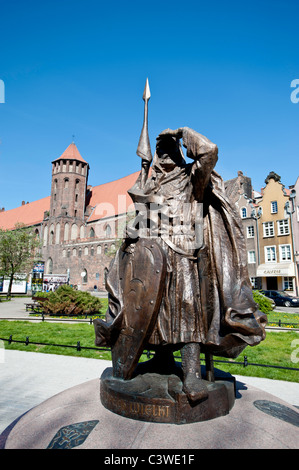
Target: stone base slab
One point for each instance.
(159, 398)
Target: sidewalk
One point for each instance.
(27, 379)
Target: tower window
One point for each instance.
(66, 183)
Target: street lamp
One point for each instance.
(290, 209)
(256, 215)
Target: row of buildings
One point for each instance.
(270, 221)
(80, 226)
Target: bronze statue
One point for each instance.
(179, 280)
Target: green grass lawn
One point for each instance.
(276, 349)
(287, 319)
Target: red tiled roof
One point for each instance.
(28, 214)
(71, 153)
(107, 200)
(110, 199)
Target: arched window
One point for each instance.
(77, 184)
(51, 237)
(66, 183)
(74, 232)
(79, 252)
(49, 266)
(45, 235)
(55, 184)
(74, 252)
(99, 249)
(86, 250)
(108, 231)
(63, 253)
(243, 212)
(84, 276)
(82, 231)
(57, 238)
(66, 231)
(106, 249)
(91, 233)
(92, 251)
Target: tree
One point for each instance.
(17, 252)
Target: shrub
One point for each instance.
(265, 304)
(67, 301)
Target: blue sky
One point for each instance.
(223, 68)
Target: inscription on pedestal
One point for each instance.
(164, 404)
(135, 409)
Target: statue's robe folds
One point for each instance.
(207, 296)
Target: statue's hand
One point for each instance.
(177, 133)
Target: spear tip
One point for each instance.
(147, 92)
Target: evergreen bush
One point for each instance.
(70, 302)
(265, 304)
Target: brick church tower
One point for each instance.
(69, 183)
(65, 221)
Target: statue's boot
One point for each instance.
(193, 385)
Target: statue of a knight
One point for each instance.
(179, 281)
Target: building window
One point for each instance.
(66, 183)
(79, 252)
(251, 257)
(66, 231)
(86, 250)
(270, 254)
(84, 277)
(285, 252)
(51, 238)
(74, 232)
(243, 212)
(68, 253)
(49, 268)
(274, 207)
(91, 233)
(92, 251)
(99, 249)
(288, 283)
(74, 252)
(250, 231)
(283, 227)
(63, 253)
(108, 231)
(45, 235)
(82, 231)
(57, 238)
(268, 228)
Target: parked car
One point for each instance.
(282, 298)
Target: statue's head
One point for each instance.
(168, 152)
